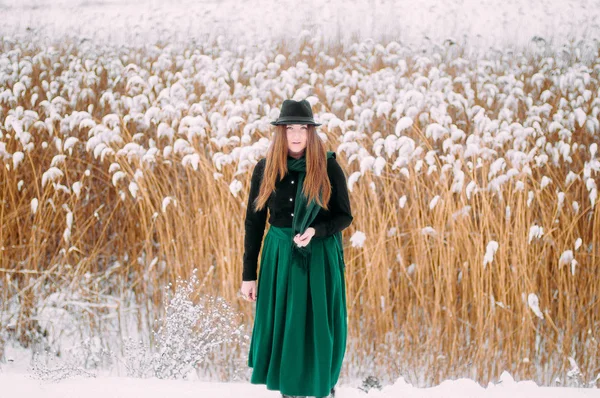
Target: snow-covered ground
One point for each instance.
(19, 385)
(139, 22)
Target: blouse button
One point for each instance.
(291, 199)
(292, 181)
(292, 214)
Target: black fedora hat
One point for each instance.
(295, 112)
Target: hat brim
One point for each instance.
(285, 123)
(295, 120)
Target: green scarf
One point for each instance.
(304, 212)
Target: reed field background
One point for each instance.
(128, 133)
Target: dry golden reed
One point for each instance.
(421, 302)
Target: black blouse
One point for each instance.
(281, 208)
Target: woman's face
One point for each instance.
(296, 138)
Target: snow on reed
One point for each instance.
(51, 175)
(566, 258)
(167, 201)
(417, 94)
(235, 187)
(534, 304)
(358, 239)
(402, 201)
(490, 250)
(434, 202)
(133, 189)
(34, 205)
(535, 232)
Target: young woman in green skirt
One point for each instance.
(299, 336)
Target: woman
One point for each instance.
(299, 335)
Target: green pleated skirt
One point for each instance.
(300, 326)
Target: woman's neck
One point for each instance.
(296, 155)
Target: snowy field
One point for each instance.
(426, 93)
(477, 23)
(22, 386)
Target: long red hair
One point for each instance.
(316, 179)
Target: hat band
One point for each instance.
(295, 119)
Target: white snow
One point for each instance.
(535, 232)
(580, 116)
(545, 182)
(353, 179)
(52, 174)
(565, 258)
(235, 187)
(77, 188)
(118, 176)
(402, 201)
(358, 239)
(34, 205)
(471, 187)
(593, 150)
(403, 124)
(534, 303)
(133, 189)
(434, 202)
(167, 201)
(22, 386)
(486, 22)
(490, 250)
(428, 231)
(17, 159)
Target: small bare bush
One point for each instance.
(138, 358)
(82, 360)
(189, 331)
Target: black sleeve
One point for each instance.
(339, 203)
(254, 226)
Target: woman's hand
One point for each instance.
(248, 290)
(304, 239)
